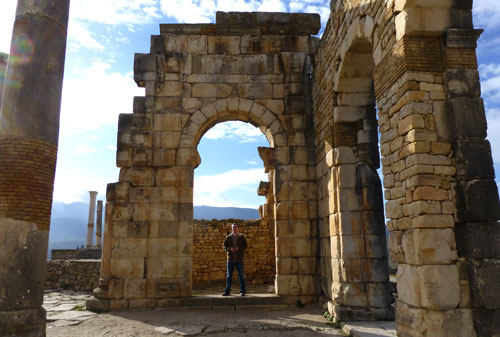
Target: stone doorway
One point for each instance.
(227, 146)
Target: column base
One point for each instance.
(344, 313)
(414, 321)
(23, 323)
(97, 305)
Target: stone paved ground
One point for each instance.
(66, 316)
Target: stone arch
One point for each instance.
(244, 110)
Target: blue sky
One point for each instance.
(103, 36)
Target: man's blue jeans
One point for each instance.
(229, 279)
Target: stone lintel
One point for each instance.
(462, 38)
(250, 23)
(188, 29)
(272, 23)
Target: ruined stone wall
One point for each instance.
(209, 258)
(78, 275)
(250, 67)
(416, 60)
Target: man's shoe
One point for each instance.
(243, 294)
(226, 294)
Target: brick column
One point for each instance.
(90, 226)
(29, 130)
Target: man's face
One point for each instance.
(235, 229)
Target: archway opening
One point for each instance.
(360, 273)
(225, 192)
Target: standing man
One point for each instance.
(235, 245)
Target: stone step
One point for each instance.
(271, 301)
(213, 303)
(370, 329)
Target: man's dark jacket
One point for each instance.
(242, 245)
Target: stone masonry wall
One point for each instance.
(354, 269)
(78, 275)
(416, 60)
(209, 259)
(250, 67)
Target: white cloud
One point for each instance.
(272, 6)
(69, 189)
(111, 147)
(96, 98)
(80, 36)
(7, 17)
(493, 117)
(236, 5)
(490, 81)
(215, 190)
(251, 162)
(323, 11)
(489, 69)
(84, 149)
(296, 6)
(486, 14)
(189, 11)
(236, 131)
(113, 12)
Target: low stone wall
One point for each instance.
(209, 258)
(76, 254)
(79, 275)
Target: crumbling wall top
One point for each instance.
(251, 23)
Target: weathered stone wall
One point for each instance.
(78, 275)
(354, 269)
(209, 258)
(195, 77)
(416, 60)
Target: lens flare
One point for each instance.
(21, 50)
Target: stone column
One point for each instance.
(3, 70)
(90, 226)
(98, 229)
(29, 131)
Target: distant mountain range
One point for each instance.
(68, 225)
(220, 213)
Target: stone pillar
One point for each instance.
(29, 130)
(98, 229)
(90, 226)
(3, 70)
(476, 203)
